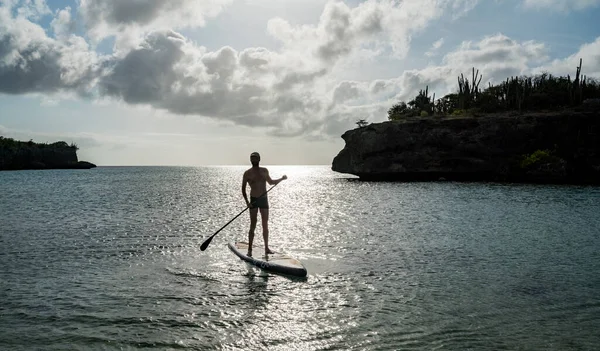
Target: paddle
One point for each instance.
(207, 241)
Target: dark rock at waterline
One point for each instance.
(84, 165)
(557, 147)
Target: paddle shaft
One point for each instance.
(207, 242)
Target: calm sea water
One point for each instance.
(109, 259)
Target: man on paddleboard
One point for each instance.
(258, 177)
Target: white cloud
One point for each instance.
(31, 9)
(462, 7)
(169, 72)
(589, 53)
(290, 92)
(498, 55)
(562, 5)
(106, 18)
(30, 61)
(342, 29)
(62, 25)
(435, 47)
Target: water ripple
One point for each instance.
(110, 260)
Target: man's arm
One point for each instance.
(244, 183)
(271, 181)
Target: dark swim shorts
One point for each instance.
(260, 202)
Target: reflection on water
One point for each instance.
(110, 259)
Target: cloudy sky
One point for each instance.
(206, 82)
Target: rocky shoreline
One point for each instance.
(561, 147)
(19, 155)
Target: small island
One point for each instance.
(22, 155)
(541, 129)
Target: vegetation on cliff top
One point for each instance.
(9, 143)
(538, 93)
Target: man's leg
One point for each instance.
(264, 215)
(253, 220)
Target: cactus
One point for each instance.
(468, 93)
(464, 92)
(520, 94)
(577, 96)
(475, 83)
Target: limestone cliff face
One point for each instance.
(490, 148)
(20, 155)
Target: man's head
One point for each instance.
(255, 159)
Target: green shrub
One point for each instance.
(475, 111)
(539, 156)
(397, 111)
(488, 102)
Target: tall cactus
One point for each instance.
(475, 83)
(506, 91)
(422, 102)
(468, 92)
(577, 95)
(520, 93)
(464, 92)
(462, 88)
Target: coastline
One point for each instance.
(20, 155)
(559, 147)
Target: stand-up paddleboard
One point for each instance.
(277, 262)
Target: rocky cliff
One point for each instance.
(558, 147)
(16, 155)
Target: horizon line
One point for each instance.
(213, 165)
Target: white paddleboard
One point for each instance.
(277, 262)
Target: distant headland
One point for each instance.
(21, 155)
(542, 129)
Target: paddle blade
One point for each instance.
(206, 243)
